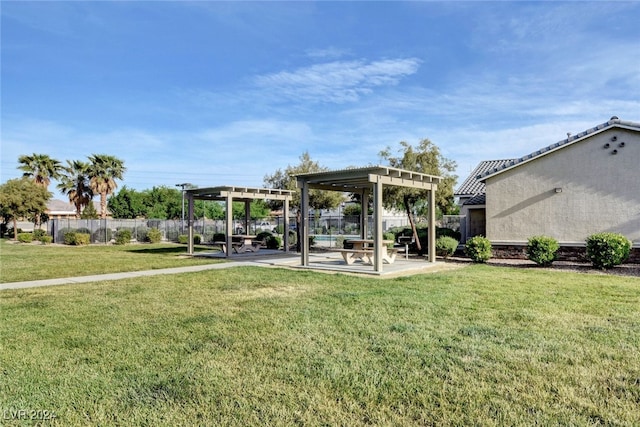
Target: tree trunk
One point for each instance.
(15, 229)
(407, 206)
(103, 205)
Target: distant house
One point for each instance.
(59, 209)
(587, 183)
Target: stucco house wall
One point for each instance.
(569, 192)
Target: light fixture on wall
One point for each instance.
(558, 189)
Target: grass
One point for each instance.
(20, 262)
(480, 345)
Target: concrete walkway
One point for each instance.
(133, 274)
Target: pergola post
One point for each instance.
(190, 225)
(285, 237)
(432, 225)
(377, 232)
(304, 222)
(247, 215)
(229, 226)
(364, 214)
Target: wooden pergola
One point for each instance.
(366, 181)
(229, 194)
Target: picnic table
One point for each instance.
(245, 243)
(363, 250)
(241, 243)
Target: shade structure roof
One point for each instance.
(239, 193)
(352, 179)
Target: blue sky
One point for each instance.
(224, 93)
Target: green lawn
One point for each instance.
(19, 262)
(244, 346)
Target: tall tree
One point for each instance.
(286, 180)
(425, 158)
(127, 204)
(103, 172)
(21, 198)
(318, 199)
(42, 169)
(74, 182)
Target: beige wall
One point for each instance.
(600, 192)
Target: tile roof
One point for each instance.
(472, 185)
(571, 139)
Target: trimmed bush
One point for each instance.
(197, 239)
(46, 240)
(123, 236)
(25, 237)
(478, 248)
(38, 233)
(274, 242)
(183, 238)
(76, 239)
(102, 235)
(542, 250)
(446, 246)
(606, 250)
(140, 233)
(154, 235)
(219, 237)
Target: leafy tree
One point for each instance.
(89, 212)
(425, 158)
(163, 202)
(21, 198)
(286, 180)
(74, 182)
(318, 199)
(103, 172)
(127, 204)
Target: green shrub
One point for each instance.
(77, 239)
(25, 237)
(197, 239)
(446, 246)
(340, 241)
(140, 233)
(273, 242)
(46, 240)
(389, 236)
(606, 250)
(102, 235)
(293, 237)
(154, 235)
(82, 239)
(123, 236)
(264, 235)
(69, 237)
(38, 233)
(183, 238)
(542, 250)
(219, 237)
(478, 248)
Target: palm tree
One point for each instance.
(42, 169)
(74, 182)
(103, 171)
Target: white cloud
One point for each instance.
(339, 81)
